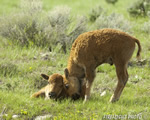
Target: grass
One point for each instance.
(7, 6)
(78, 7)
(20, 70)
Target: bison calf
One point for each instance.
(54, 89)
(92, 49)
(57, 88)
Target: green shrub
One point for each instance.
(27, 26)
(32, 26)
(139, 8)
(95, 13)
(113, 20)
(66, 28)
(111, 1)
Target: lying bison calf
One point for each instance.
(94, 48)
(56, 89)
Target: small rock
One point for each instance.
(15, 116)
(142, 62)
(103, 93)
(137, 63)
(44, 117)
(45, 56)
(34, 58)
(136, 76)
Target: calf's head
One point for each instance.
(72, 85)
(62, 86)
(55, 85)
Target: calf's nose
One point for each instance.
(52, 94)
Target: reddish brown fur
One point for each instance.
(56, 85)
(94, 48)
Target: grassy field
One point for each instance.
(20, 69)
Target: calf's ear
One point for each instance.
(66, 73)
(45, 76)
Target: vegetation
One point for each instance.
(111, 1)
(95, 13)
(113, 20)
(32, 26)
(28, 33)
(140, 8)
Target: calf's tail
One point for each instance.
(139, 50)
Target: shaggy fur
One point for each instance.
(92, 49)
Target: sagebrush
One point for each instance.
(32, 26)
(146, 27)
(95, 13)
(139, 8)
(111, 1)
(114, 20)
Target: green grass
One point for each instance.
(7, 6)
(20, 70)
(78, 7)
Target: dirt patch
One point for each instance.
(140, 63)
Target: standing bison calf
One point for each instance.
(94, 48)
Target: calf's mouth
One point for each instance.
(75, 96)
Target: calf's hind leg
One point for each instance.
(122, 75)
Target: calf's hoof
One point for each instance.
(113, 99)
(86, 99)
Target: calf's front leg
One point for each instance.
(90, 74)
